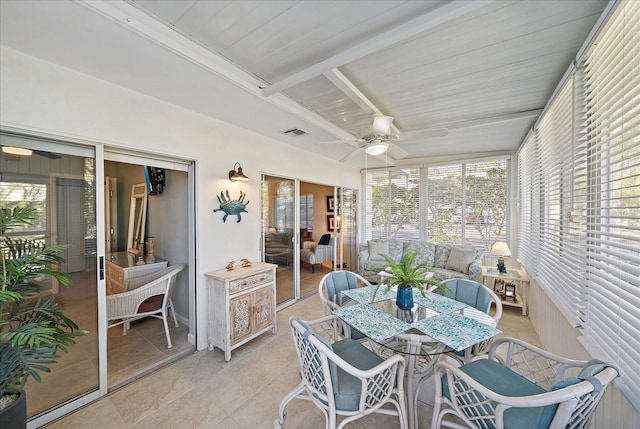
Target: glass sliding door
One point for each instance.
(59, 181)
(279, 234)
(347, 245)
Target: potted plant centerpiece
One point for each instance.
(33, 328)
(405, 275)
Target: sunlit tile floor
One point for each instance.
(203, 391)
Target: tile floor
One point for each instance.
(202, 391)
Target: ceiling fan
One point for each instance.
(11, 150)
(381, 139)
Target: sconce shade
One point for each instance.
(376, 148)
(12, 150)
(237, 175)
(382, 124)
(500, 248)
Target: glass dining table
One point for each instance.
(435, 325)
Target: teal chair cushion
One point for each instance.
(337, 282)
(471, 293)
(503, 381)
(347, 388)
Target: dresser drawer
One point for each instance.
(248, 282)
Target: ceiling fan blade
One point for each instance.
(349, 155)
(426, 133)
(396, 152)
(45, 154)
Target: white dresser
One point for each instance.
(121, 266)
(241, 305)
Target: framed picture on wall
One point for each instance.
(333, 223)
(330, 203)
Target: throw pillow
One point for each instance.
(442, 254)
(426, 252)
(460, 259)
(325, 239)
(377, 249)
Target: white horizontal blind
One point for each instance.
(529, 201)
(561, 241)
(485, 203)
(444, 204)
(392, 208)
(612, 75)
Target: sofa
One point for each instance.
(448, 261)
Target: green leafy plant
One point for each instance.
(33, 328)
(406, 273)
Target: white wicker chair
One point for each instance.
(344, 378)
(123, 308)
(335, 282)
(531, 389)
(480, 297)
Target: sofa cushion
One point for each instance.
(426, 252)
(460, 259)
(377, 248)
(325, 239)
(442, 254)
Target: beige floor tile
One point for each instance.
(102, 414)
(203, 391)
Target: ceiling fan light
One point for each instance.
(377, 148)
(16, 150)
(382, 124)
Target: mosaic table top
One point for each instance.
(447, 325)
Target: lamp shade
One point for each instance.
(500, 248)
(376, 148)
(382, 124)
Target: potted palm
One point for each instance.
(406, 274)
(33, 328)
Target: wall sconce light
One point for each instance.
(237, 175)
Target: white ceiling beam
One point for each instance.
(139, 22)
(445, 13)
(350, 90)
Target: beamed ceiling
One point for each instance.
(459, 77)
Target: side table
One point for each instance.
(517, 277)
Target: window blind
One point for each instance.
(392, 208)
(561, 240)
(444, 204)
(612, 79)
(529, 203)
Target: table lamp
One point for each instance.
(501, 249)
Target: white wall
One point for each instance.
(37, 95)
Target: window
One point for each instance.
(463, 203)
(306, 211)
(392, 204)
(579, 198)
(467, 203)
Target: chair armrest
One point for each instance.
(548, 364)
(309, 245)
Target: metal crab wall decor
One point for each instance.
(231, 207)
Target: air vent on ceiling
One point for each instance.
(295, 132)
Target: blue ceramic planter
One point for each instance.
(404, 298)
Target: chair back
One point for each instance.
(311, 369)
(529, 389)
(474, 294)
(335, 282)
(158, 283)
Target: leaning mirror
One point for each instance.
(137, 216)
